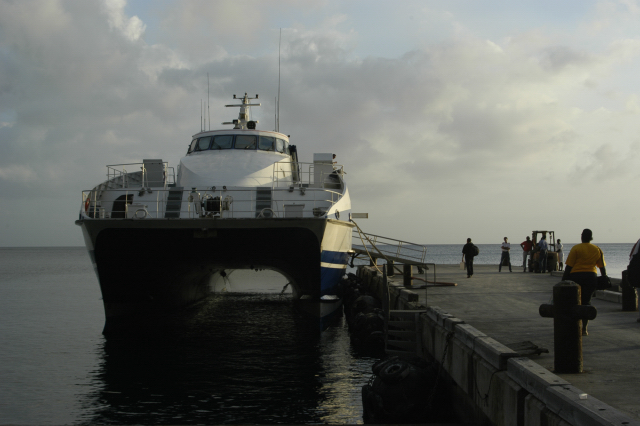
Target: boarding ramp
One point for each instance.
(372, 247)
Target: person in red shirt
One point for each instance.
(526, 245)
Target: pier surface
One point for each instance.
(504, 306)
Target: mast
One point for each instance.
(278, 101)
(243, 121)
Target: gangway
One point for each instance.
(373, 247)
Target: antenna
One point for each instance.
(200, 114)
(278, 101)
(208, 108)
(243, 121)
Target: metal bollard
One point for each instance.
(406, 275)
(629, 296)
(567, 314)
(390, 269)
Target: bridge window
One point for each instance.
(222, 142)
(246, 142)
(267, 143)
(203, 143)
(280, 145)
(263, 143)
(192, 147)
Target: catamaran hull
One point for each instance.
(149, 267)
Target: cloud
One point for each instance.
(462, 119)
(17, 173)
(131, 27)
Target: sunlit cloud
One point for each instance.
(462, 110)
(131, 27)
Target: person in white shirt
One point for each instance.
(559, 247)
(506, 247)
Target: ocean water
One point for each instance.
(242, 358)
(616, 256)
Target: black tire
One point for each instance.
(379, 365)
(395, 371)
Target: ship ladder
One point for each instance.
(263, 202)
(402, 328)
(403, 334)
(174, 203)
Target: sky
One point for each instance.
(453, 119)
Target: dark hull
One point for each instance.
(149, 267)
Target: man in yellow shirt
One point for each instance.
(581, 269)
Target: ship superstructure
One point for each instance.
(160, 237)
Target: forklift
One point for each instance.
(552, 254)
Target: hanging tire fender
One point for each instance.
(395, 371)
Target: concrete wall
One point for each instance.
(490, 380)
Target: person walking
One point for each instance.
(542, 259)
(559, 247)
(527, 246)
(468, 253)
(506, 247)
(581, 269)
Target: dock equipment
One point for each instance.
(552, 254)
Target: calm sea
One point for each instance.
(616, 256)
(241, 358)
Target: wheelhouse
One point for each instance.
(245, 141)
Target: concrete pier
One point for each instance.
(476, 329)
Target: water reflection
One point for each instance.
(241, 358)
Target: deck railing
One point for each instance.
(298, 175)
(205, 203)
(376, 247)
(304, 174)
(157, 178)
(136, 174)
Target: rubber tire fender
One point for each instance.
(395, 371)
(379, 365)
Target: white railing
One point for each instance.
(136, 174)
(132, 175)
(380, 247)
(303, 174)
(203, 203)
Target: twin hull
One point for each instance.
(147, 267)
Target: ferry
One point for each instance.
(162, 238)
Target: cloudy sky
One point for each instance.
(453, 119)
